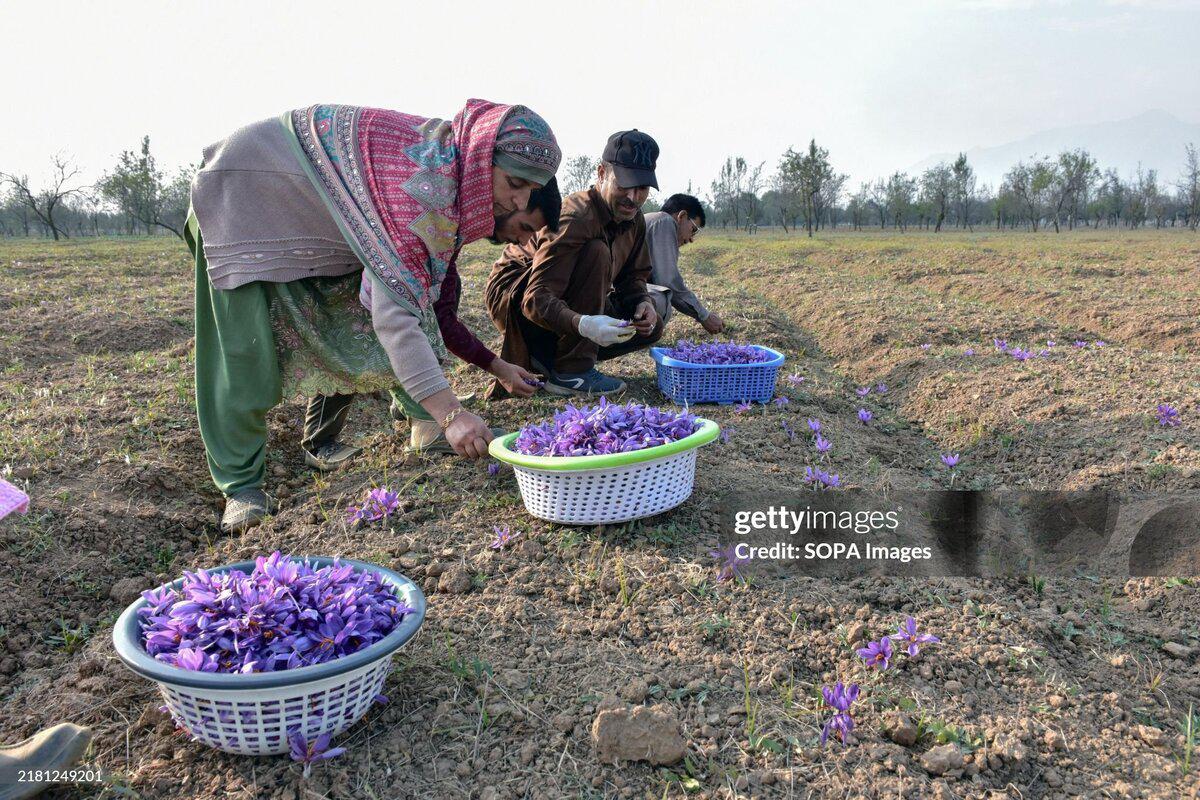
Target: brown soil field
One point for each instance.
(1078, 684)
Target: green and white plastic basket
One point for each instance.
(606, 489)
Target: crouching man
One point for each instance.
(570, 298)
(677, 224)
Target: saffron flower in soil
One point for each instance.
(781, 401)
(1079, 343)
(503, 537)
(795, 379)
(309, 753)
(379, 504)
(864, 416)
(881, 388)
(863, 391)
(1019, 354)
(1098, 343)
(1001, 345)
(1168, 415)
(950, 459)
(729, 563)
(823, 445)
(814, 425)
(742, 407)
(877, 655)
(839, 698)
(726, 433)
(283, 615)
(717, 353)
(493, 468)
(970, 351)
(604, 429)
(908, 634)
(821, 479)
(925, 346)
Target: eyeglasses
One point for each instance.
(695, 227)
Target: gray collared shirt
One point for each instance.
(662, 240)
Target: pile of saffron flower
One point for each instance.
(604, 429)
(717, 353)
(283, 615)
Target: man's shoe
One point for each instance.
(329, 457)
(51, 750)
(246, 509)
(592, 382)
(399, 414)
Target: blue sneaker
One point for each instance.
(592, 382)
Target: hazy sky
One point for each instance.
(881, 84)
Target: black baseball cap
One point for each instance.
(634, 155)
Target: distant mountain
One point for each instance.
(1154, 138)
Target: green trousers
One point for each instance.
(237, 375)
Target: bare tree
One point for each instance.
(45, 202)
(901, 190)
(578, 173)
(964, 189)
(1189, 187)
(754, 184)
(878, 198)
(937, 186)
(1073, 176)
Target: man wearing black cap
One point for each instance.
(570, 298)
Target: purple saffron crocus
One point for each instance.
(717, 353)
(795, 379)
(503, 537)
(726, 433)
(970, 351)
(729, 563)
(839, 698)
(791, 434)
(864, 416)
(877, 655)
(863, 391)
(908, 634)
(309, 753)
(493, 468)
(1049, 343)
(603, 429)
(742, 407)
(1098, 343)
(814, 425)
(1019, 354)
(881, 388)
(925, 346)
(950, 459)
(828, 480)
(781, 401)
(1079, 343)
(379, 504)
(823, 445)
(1168, 415)
(1000, 344)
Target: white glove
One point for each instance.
(603, 330)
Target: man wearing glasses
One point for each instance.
(677, 224)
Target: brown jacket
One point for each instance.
(536, 280)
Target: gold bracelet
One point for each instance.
(449, 419)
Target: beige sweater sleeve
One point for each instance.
(412, 358)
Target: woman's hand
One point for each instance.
(513, 378)
(468, 435)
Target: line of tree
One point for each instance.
(137, 197)
(134, 197)
(1066, 191)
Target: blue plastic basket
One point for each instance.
(717, 383)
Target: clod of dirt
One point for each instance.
(942, 759)
(1151, 735)
(1177, 650)
(635, 691)
(127, 590)
(455, 580)
(638, 734)
(856, 632)
(900, 729)
(1008, 747)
